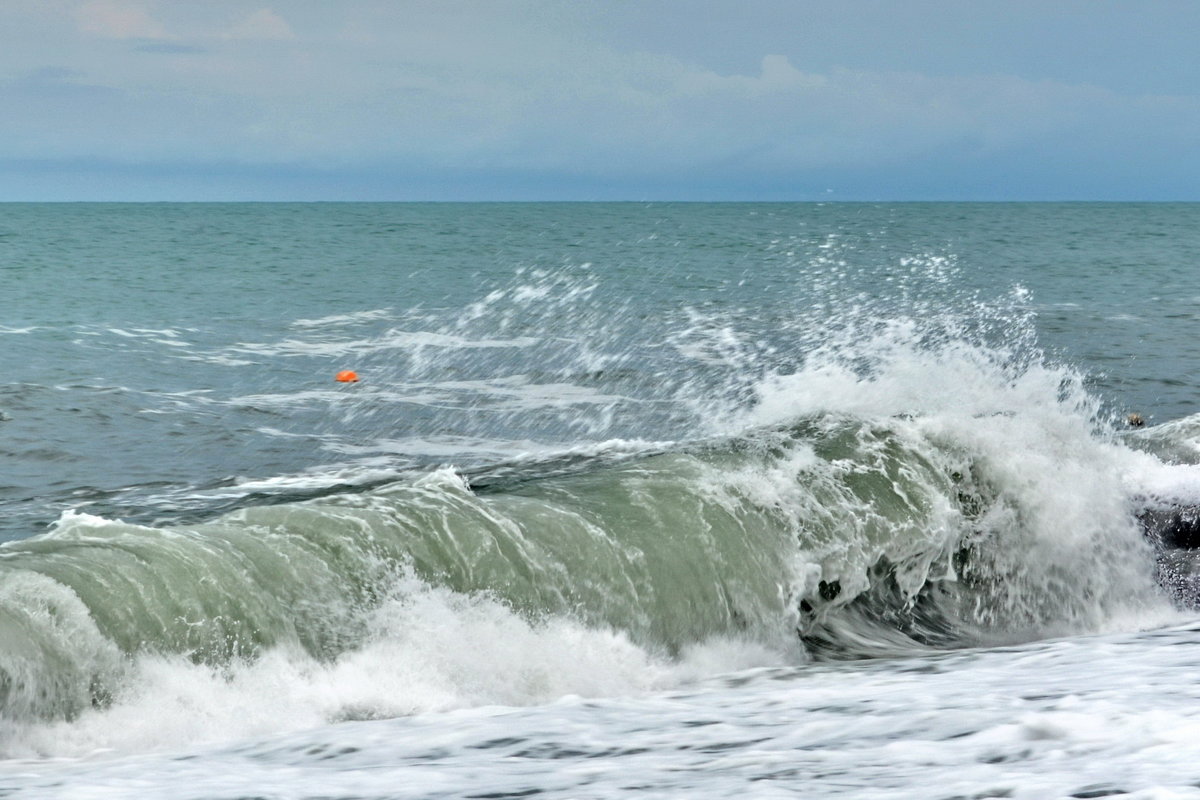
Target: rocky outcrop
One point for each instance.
(1174, 529)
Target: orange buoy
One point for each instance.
(346, 376)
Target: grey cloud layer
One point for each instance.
(506, 87)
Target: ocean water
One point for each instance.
(671, 500)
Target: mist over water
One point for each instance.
(605, 451)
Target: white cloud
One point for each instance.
(114, 19)
(262, 24)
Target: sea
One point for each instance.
(656, 500)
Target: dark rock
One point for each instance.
(1174, 530)
(1172, 527)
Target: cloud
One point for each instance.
(53, 84)
(113, 19)
(169, 48)
(469, 88)
(48, 76)
(262, 24)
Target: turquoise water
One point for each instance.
(612, 451)
(138, 339)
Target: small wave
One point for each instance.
(392, 340)
(341, 320)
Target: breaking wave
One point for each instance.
(875, 483)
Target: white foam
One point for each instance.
(163, 336)
(1176, 484)
(428, 650)
(1086, 717)
(505, 394)
(1066, 547)
(340, 320)
(392, 340)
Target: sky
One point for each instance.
(599, 100)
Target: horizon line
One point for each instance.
(891, 201)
